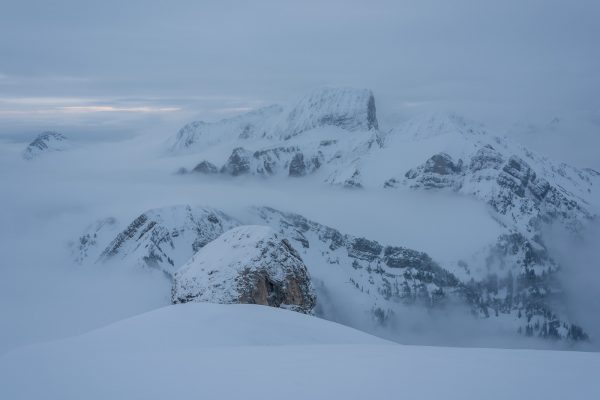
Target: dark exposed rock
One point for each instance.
(353, 181)
(396, 273)
(325, 143)
(515, 176)
(485, 158)
(440, 171)
(372, 114)
(442, 164)
(364, 249)
(239, 162)
(268, 161)
(206, 167)
(45, 142)
(297, 166)
(393, 182)
(257, 268)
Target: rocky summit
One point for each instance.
(248, 265)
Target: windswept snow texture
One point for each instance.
(325, 133)
(248, 264)
(199, 135)
(346, 108)
(245, 351)
(44, 143)
(161, 238)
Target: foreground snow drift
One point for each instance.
(210, 351)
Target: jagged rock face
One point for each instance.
(297, 165)
(518, 191)
(288, 160)
(442, 164)
(165, 238)
(440, 171)
(390, 276)
(524, 283)
(350, 109)
(250, 265)
(239, 162)
(354, 181)
(520, 198)
(486, 158)
(385, 275)
(300, 166)
(270, 161)
(46, 142)
(514, 275)
(206, 167)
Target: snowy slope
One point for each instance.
(161, 238)
(44, 143)
(347, 108)
(199, 135)
(384, 282)
(519, 184)
(245, 351)
(525, 192)
(249, 264)
(324, 133)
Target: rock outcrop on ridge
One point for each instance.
(249, 264)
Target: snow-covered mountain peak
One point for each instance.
(348, 108)
(248, 264)
(162, 238)
(198, 135)
(46, 142)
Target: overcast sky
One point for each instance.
(115, 64)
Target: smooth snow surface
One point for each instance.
(209, 351)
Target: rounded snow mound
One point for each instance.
(249, 264)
